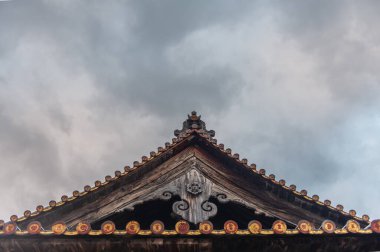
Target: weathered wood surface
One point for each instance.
(253, 193)
(132, 191)
(115, 195)
(203, 243)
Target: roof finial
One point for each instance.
(194, 122)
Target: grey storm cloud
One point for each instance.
(88, 87)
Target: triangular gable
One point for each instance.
(194, 168)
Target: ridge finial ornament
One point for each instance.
(194, 122)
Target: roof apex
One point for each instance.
(194, 122)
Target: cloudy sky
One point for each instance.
(87, 87)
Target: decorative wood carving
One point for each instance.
(195, 190)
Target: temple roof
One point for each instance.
(194, 133)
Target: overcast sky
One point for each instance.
(87, 87)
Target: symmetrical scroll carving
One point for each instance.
(194, 190)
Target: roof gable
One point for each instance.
(195, 168)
